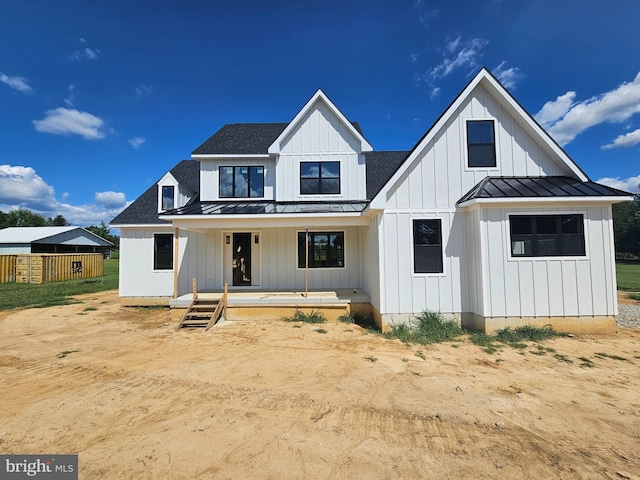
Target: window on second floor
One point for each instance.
(481, 144)
(241, 182)
(319, 178)
(168, 197)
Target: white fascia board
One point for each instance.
(205, 156)
(544, 200)
(377, 201)
(263, 221)
(501, 94)
(319, 96)
(166, 179)
(140, 225)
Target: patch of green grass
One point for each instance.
(585, 362)
(321, 330)
(65, 353)
(428, 327)
(612, 357)
(300, 316)
(24, 295)
(485, 342)
(371, 359)
(297, 326)
(562, 358)
(346, 318)
(634, 296)
(628, 275)
(405, 360)
(90, 309)
(421, 355)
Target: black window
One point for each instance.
(547, 235)
(241, 182)
(326, 249)
(427, 246)
(163, 251)
(167, 197)
(481, 143)
(319, 178)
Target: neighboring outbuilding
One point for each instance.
(15, 240)
(486, 219)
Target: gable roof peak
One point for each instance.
(319, 95)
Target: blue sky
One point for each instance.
(98, 99)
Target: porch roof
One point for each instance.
(553, 187)
(266, 208)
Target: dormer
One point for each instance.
(171, 194)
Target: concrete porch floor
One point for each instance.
(279, 297)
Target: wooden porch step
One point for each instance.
(199, 314)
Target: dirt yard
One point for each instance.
(270, 400)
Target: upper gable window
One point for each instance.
(319, 178)
(241, 182)
(481, 143)
(168, 197)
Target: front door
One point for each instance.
(241, 259)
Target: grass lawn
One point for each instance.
(15, 295)
(628, 275)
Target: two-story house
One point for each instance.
(485, 219)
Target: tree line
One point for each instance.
(26, 218)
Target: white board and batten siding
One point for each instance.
(320, 136)
(436, 178)
(548, 286)
(210, 176)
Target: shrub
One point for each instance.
(313, 317)
(428, 327)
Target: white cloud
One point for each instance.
(22, 187)
(17, 83)
(65, 121)
(554, 110)
(508, 76)
(630, 184)
(435, 92)
(137, 141)
(628, 140)
(111, 199)
(86, 52)
(462, 55)
(71, 97)
(414, 57)
(143, 90)
(614, 106)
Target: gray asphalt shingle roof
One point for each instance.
(380, 168)
(144, 210)
(538, 187)
(245, 139)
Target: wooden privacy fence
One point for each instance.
(50, 267)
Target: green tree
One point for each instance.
(22, 218)
(103, 231)
(57, 221)
(626, 226)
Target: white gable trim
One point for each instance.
(538, 200)
(503, 97)
(276, 146)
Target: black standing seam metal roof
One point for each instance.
(538, 187)
(267, 208)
